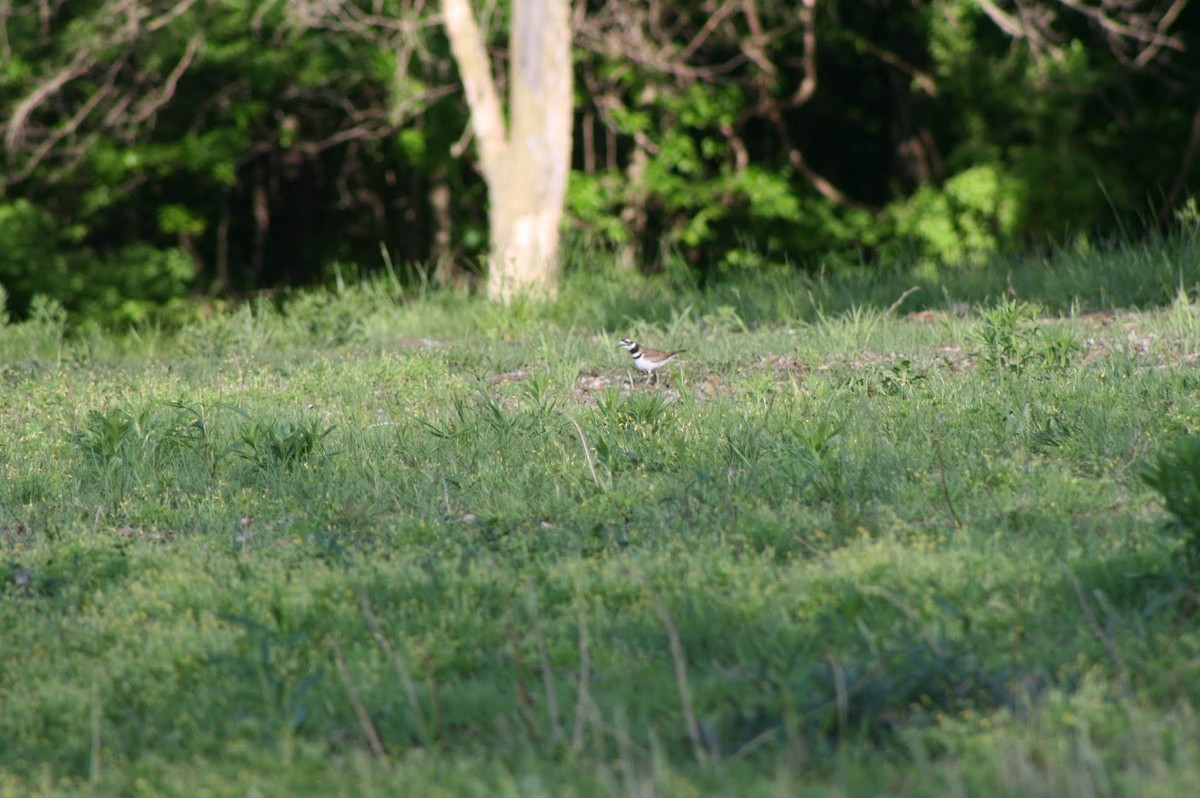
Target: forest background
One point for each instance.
(157, 151)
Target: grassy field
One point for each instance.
(373, 543)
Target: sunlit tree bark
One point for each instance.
(525, 161)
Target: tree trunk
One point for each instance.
(634, 215)
(445, 270)
(525, 164)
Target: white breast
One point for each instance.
(642, 363)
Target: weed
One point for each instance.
(109, 436)
(280, 446)
(192, 429)
(631, 410)
(1175, 475)
(887, 379)
(625, 429)
(1010, 339)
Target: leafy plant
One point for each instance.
(889, 378)
(627, 428)
(1010, 340)
(283, 445)
(109, 436)
(631, 409)
(192, 428)
(539, 394)
(817, 468)
(1175, 475)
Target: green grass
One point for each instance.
(373, 544)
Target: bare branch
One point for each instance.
(122, 27)
(710, 25)
(921, 78)
(1002, 19)
(1123, 23)
(636, 32)
(629, 31)
(20, 115)
(808, 85)
(62, 132)
(44, 15)
(605, 103)
(1165, 21)
(169, 16)
(116, 111)
(1133, 26)
(772, 107)
(823, 185)
(60, 118)
(900, 300)
(152, 104)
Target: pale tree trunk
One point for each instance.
(525, 164)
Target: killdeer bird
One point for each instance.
(648, 360)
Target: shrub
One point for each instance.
(124, 286)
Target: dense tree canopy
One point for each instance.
(157, 147)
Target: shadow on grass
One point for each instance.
(1119, 275)
(507, 675)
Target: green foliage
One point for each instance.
(1175, 474)
(126, 286)
(244, 146)
(132, 285)
(29, 237)
(280, 446)
(174, 162)
(974, 215)
(1010, 339)
(106, 436)
(177, 219)
(990, 144)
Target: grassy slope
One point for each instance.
(844, 552)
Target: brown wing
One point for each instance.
(658, 356)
